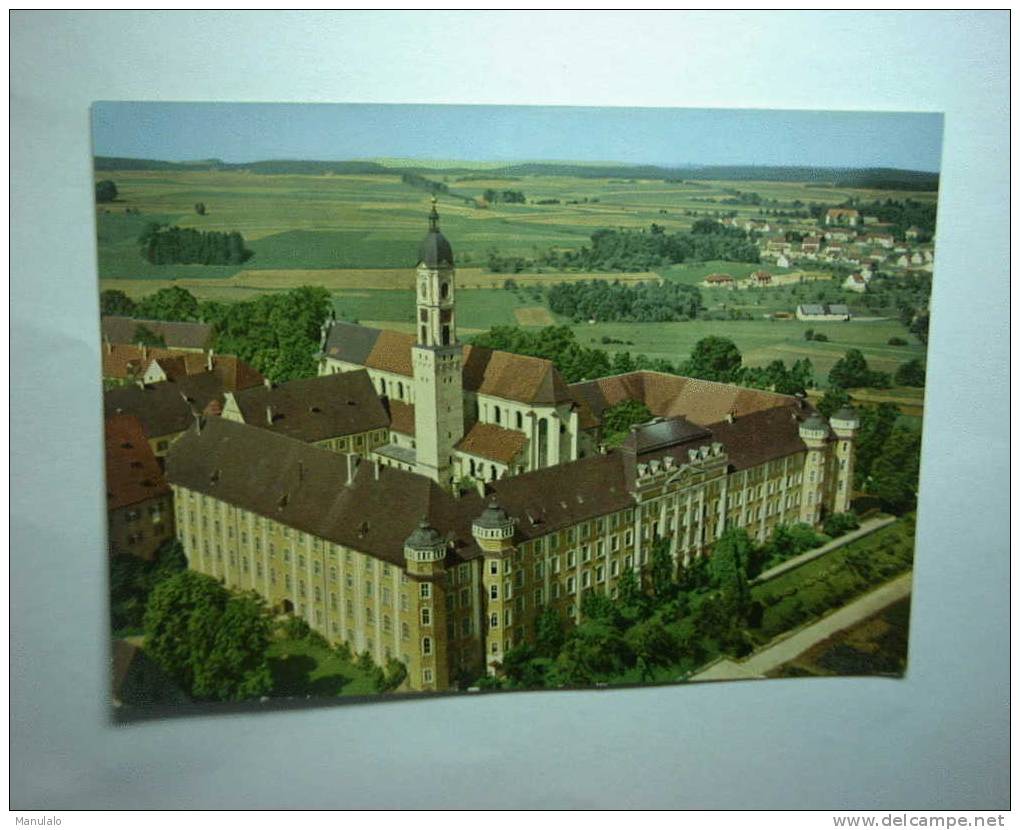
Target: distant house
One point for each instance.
(719, 281)
(842, 216)
(856, 282)
(839, 235)
(810, 245)
(760, 279)
(885, 240)
(913, 232)
(192, 337)
(782, 261)
(235, 373)
(777, 244)
(823, 313)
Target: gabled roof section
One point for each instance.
(700, 401)
(493, 442)
(176, 335)
(315, 409)
(401, 416)
(554, 497)
(359, 504)
(133, 475)
(167, 407)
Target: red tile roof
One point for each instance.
(132, 472)
(493, 442)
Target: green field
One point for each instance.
(760, 341)
(376, 221)
(350, 228)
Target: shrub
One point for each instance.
(839, 523)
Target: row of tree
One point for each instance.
(510, 197)
(645, 302)
(167, 245)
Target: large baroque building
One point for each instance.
(424, 500)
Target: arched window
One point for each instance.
(382, 386)
(498, 415)
(520, 421)
(444, 290)
(424, 335)
(400, 389)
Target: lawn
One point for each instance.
(302, 668)
(834, 579)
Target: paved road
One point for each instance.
(772, 657)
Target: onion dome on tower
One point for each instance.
(814, 428)
(425, 544)
(435, 251)
(493, 525)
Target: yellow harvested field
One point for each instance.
(534, 316)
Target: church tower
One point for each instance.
(438, 359)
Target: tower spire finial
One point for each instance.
(434, 216)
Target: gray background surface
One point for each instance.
(939, 738)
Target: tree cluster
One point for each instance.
(618, 419)
(211, 642)
(510, 197)
(278, 334)
(132, 581)
(852, 371)
(645, 302)
(163, 245)
(106, 191)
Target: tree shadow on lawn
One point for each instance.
(292, 677)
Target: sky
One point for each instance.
(669, 137)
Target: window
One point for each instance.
(316, 567)
(600, 574)
(332, 601)
(494, 591)
(368, 588)
(519, 421)
(426, 616)
(465, 626)
(508, 617)
(426, 675)
(571, 585)
(426, 645)
(556, 590)
(425, 590)
(387, 625)
(572, 558)
(614, 544)
(494, 620)
(628, 538)
(405, 631)
(586, 579)
(615, 567)
(494, 567)
(318, 594)
(538, 596)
